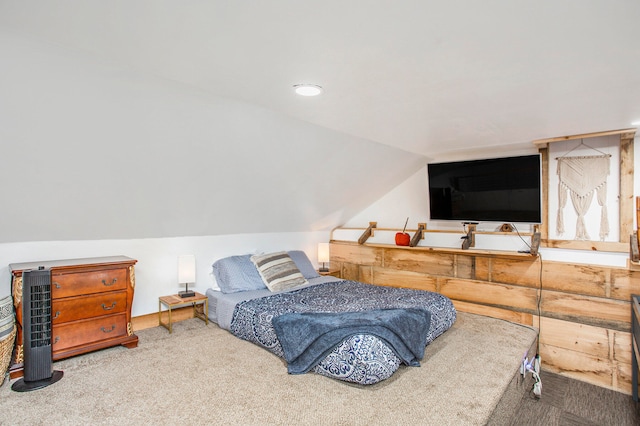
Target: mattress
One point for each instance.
(222, 305)
(361, 358)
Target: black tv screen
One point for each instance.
(497, 189)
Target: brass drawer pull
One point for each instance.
(56, 340)
(113, 281)
(104, 330)
(56, 315)
(57, 285)
(108, 308)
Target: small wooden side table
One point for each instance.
(333, 272)
(174, 301)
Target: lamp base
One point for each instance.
(185, 294)
(323, 269)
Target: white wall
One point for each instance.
(157, 267)
(410, 199)
(93, 150)
(100, 160)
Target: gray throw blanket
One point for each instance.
(308, 337)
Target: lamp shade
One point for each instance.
(323, 252)
(186, 269)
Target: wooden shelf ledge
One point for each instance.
(449, 250)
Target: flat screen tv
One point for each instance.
(497, 190)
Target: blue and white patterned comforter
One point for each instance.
(363, 359)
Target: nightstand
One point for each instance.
(332, 272)
(175, 301)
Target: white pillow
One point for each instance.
(214, 283)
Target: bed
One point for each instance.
(342, 329)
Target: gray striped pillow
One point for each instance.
(278, 271)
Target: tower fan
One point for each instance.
(36, 332)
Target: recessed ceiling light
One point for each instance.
(307, 89)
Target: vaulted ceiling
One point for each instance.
(424, 76)
(404, 82)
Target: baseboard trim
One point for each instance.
(151, 320)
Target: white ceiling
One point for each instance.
(429, 77)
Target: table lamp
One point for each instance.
(186, 274)
(323, 256)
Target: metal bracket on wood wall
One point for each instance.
(634, 254)
(535, 244)
(418, 235)
(470, 238)
(367, 233)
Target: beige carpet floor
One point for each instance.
(203, 375)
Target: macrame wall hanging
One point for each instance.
(581, 177)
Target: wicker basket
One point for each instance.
(6, 351)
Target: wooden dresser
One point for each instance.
(90, 308)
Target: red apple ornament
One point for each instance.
(402, 238)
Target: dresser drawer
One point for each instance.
(79, 283)
(83, 307)
(89, 331)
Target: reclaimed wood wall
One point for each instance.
(583, 311)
